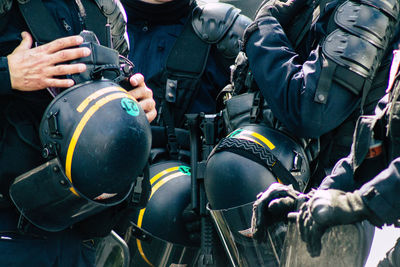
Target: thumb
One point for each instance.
(26, 42)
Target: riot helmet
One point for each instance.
(241, 166)
(157, 235)
(97, 141)
(250, 159)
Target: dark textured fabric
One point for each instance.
(61, 249)
(166, 13)
(288, 79)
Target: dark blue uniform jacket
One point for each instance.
(288, 79)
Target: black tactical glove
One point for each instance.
(272, 206)
(283, 11)
(192, 221)
(328, 208)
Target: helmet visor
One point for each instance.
(241, 249)
(149, 250)
(46, 197)
(111, 251)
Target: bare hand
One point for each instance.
(143, 95)
(37, 68)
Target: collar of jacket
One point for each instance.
(167, 13)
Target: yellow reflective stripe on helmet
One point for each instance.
(72, 189)
(254, 137)
(158, 175)
(163, 181)
(82, 106)
(264, 140)
(153, 190)
(81, 126)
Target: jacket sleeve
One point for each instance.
(341, 178)
(289, 83)
(5, 83)
(381, 194)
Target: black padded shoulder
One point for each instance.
(220, 24)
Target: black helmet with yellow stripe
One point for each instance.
(97, 139)
(248, 160)
(158, 236)
(241, 166)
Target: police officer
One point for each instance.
(184, 50)
(31, 62)
(340, 198)
(314, 86)
(361, 187)
(335, 203)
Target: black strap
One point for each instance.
(142, 189)
(256, 108)
(325, 80)
(172, 141)
(36, 16)
(259, 154)
(187, 58)
(93, 23)
(330, 72)
(189, 54)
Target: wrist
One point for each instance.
(368, 213)
(359, 208)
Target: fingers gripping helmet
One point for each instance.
(241, 166)
(158, 236)
(97, 140)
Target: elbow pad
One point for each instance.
(354, 49)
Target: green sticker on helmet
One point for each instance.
(185, 170)
(235, 133)
(130, 106)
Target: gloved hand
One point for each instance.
(192, 221)
(328, 208)
(272, 206)
(283, 11)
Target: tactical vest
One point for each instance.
(176, 86)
